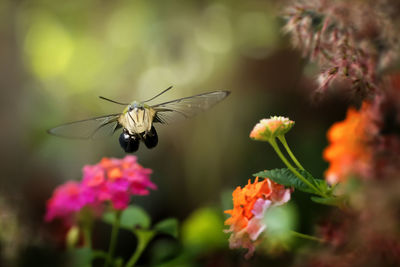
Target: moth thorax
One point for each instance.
(138, 120)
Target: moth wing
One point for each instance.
(88, 129)
(187, 107)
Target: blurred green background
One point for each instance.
(57, 57)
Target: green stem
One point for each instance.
(308, 237)
(289, 151)
(144, 238)
(87, 235)
(113, 241)
(99, 254)
(292, 169)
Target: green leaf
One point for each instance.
(99, 254)
(134, 216)
(280, 220)
(165, 252)
(323, 186)
(168, 226)
(144, 236)
(109, 217)
(81, 257)
(118, 262)
(131, 218)
(331, 201)
(285, 177)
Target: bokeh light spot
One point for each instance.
(86, 64)
(258, 34)
(48, 46)
(203, 230)
(126, 25)
(215, 33)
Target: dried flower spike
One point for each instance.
(268, 129)
(351, 41)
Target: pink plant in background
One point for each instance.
(112, 180)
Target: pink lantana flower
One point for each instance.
(66, 201)
(115, 180)
(112, 180)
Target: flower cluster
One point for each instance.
(349, 152)
(350, 41)
(249, 207)
(268, 129)
(112, 180)
(67, 200)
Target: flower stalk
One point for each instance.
(293, 170)
(144, 237)
(308, 237)
(87, 236)
(113, 241)
(289, 151)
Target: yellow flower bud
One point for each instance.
(72, 238)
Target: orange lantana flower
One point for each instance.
(349, 152)
(249, 206)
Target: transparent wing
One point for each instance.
(90, 128)
(187, 107)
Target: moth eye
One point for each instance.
(129, 143)
(151, 138)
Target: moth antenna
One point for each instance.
(112, 101)
(154, 97)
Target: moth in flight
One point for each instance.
(137, 119)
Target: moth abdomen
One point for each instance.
(150, 138)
